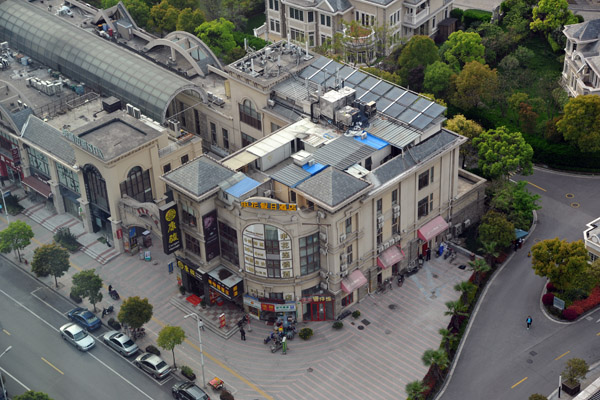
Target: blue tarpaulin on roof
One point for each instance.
(242, 187)
(314, 169)
(372, 141)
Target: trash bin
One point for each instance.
(441, 250)
(472, 256)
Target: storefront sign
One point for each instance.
(83, 144)
(169, 223)
(251, 301)
(226, 291)
(211, 235)
(268, 206)
(188, 267)
(285, 307)
(15, 155)
(315, 299)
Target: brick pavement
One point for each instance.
(375, 362)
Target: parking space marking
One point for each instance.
(52, 365)
(14, 379)
(45, 302)
(518, 383)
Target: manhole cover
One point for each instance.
(392, 306)
(433, 296)
(387, 331)
(309, 369)
(529, 361)
(360, 327)
(365, 322)
(533, 353)
(435, 275)
(569, 195)
(575, 205)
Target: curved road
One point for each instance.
(500, 358)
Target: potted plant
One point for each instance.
(153, 350)
(114, 324)
(356, 314)
(574, 372)
(182, 290)
(305, 333)
(203, 303)
(188, 372)
(338, 325)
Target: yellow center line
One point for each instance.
(50, 364)
(562, 355)
(225, 367)
(518, 383)
(5, 331)
(534, 185)
(598, 334)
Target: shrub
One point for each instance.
(152, 349)
(225, 395)
(570, 313)
(338, 325)
(457, 13)
(187, 372)
(12, 204)
(66, 239)
(548, 299)
(305, 333)
(356, 314)
(114, 324)
(550, 287)
(77, 299)
(590, 302)
(473, 18)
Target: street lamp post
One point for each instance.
(200, 340)
(1, 380)
(4, 205)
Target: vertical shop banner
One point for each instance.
(211, 235)
(169, 225)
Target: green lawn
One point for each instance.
(254, 22)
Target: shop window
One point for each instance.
(192, 244)
(274, 268)
(229, 244)
(188, 215)
(68, 178)
(310, 260)
(166, 168)
(422, 209)
(185, 159)
(348, 225)
(137, 185)
(38, 162)
(249, 115)
(348, 300)
(276, 296)
(423, 180)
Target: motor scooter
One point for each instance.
(114, 295)
(400, 280)
(106, 311)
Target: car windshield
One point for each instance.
(79, 335)
(89, 317)
(161, 365)
(128, 343)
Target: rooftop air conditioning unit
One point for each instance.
(311, 163)
(467, 223)
(130, 109)
(267, 193)
(342, 237)
(137, 114)
(271, 103)
(363, 135)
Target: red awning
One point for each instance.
(432, 229)
(390, 257)
(355, 280)
(38, 185)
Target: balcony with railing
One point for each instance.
(360, 44)
(415, 16)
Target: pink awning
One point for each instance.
(38, 185)
(432, 229)
(390, 257)
(355, 280)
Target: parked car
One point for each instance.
(188, 391)
(77, 336)
(153, 364)
(121, 343)
(85, 318)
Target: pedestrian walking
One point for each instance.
(109, 289)
(243, 333)
(201, 324)
(428, 254)
(529, 321)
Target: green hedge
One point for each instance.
(562, 155)
(471, 17)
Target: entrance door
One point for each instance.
(424, 248)
(318, 311)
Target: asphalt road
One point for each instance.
(500, 358)
(40, 360)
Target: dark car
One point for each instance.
(85, 318)
(188, 391)
(153, 364)
(121, 343)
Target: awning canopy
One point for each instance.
(390, 257)
(432, 228)
(240, 160)
(355, 280)
(520, 233)
(38, 185)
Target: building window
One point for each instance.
(67, 178)
(349, 258)
(433, 23)
(225, 138)
(275, 27)
(247, 139)
(348, 300)
(188, 214)
(293, 196)
(185, 159)
(213, 133)
(267, 251)
(192, 244)
(271, 240)
(310, 260)
(296, 14)
(296, 35)
(96, 187)
(325, 20)
(422, 210)
(274, 268)
(166, 168)
(379, 237)
(311, 39)
(431, 202)
(310, 16)
(276, 296)
(249, 115)
(395, 197)
(379, 206)
(274, 5)
(348, 226)
(431, 175)
(229, 244)
(325, 40)
(137, 185)
(395, 225)
(38, 162)
(423, 180)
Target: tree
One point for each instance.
(456, 309)
(189, 20)
(419, 51)
(480, 267)
(490, 252)
(476, 84)
(169, 337)
(87, 284)
(465, 288)
(449, 338)
(135, 312)
(551, 15)
(515, 100)
(575, 371)
(437, 360)
(559, 260)
(462, 48)
(15, 238)
(437, 78)
(580, 122)
(139, 10)
(31, 395)
(50, 259)
(528, 118)
(218, 35)
(496, 228)
(416, 390)
(468, 128)
(537, 396)
(518, 203)
(502, 152)
(496, 41)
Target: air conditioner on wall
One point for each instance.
(343, 274)
(323, 274)
(467, 223)
(342, 238)
(324, 251)
(321, 214)
(324, 285)
(343, 267)
(323, 236)
(380, 249)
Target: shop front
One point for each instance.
(318, 307)
(267, 309)
(391, 258)
(350, 286)
(432, 230)
(224, 285)
(190, 277)
(10, 166)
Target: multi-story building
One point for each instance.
(591, 238)
(581, 71)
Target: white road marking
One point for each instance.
(45, 302)
(14, 379)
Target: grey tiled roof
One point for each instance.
(412, 157)
(291, 175)
(20, 117)
(332, 187)
(588, 30)
(339, 5)
(48, 138)
(199, 175)
(342, 153)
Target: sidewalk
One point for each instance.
(589, 386)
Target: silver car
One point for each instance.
(77, 336)
(153, 364)
(121, 343)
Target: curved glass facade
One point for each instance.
(85, 57)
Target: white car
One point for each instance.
(121, 343)
(77, 336)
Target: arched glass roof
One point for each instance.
(85, 57)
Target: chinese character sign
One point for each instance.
(169, 224)
(259, 205)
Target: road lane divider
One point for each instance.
(50, 364)
(562, 355)
(5, 331)
(518, 383)
(536, 186)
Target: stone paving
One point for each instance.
(369, 358)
